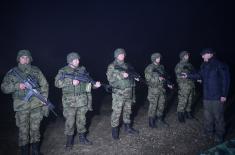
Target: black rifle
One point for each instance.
(84, 77)
(165, 77)
(186, 70)
(132, 74)
(31, 88)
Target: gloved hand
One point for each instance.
(45, 111)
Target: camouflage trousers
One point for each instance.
(28, 123)
(185, 98)
(120, 106)
(213, 117)
(157, 101)
(89, 101)
(75, 115)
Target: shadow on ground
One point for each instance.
(176, 139)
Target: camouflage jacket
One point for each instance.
(185, 67)
(152, 73)
(10, 85)
(115, 76)
(73, 96)
(68, 89)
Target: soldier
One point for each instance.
(123, 93)
(215, 78)
(76, 99)
(156, 80)
(186, 87)
(29, 113)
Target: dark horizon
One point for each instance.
(51, 30)
(94, 30)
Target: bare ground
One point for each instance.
(178, 138)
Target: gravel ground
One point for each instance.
(178, 138)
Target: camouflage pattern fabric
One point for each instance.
(156, 91)
(186, 87)
(75, 115)
(74, 99)
(156, 102)
(28, 122)
(10, 85)
(123, 95)
(89, 101)
(121, 104)
(28, 113)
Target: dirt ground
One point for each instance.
(178, 138)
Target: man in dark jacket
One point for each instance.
(215, 79)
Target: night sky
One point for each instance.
(50, 30)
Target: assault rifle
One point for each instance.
(165, 76)
(85, 77)
(132, 74)
(182, 74)
(32, 90)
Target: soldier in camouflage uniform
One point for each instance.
(29, 113)
(123, 93)
(155, 78)
(186, 87)
(76, 99)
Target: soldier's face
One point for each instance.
(158, 60)
(121, 57)
(24, 60)
(75, 62)
(186, 57)
(206, 57)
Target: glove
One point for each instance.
(45, 111)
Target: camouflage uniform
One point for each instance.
(156, 88)
(186, 87)
(74, 98)
(89, 101)
(28, 114)
(123, 95)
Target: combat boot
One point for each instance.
(188, 115)
(161, 122)
(83, 140)
(35, 149)
(130, 130)
(24, 150)
(69, 143)
(181, 117)
(115, 133)
(152, 122)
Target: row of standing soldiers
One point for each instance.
(77, 99)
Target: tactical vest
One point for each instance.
(125, 82)
(72, 90)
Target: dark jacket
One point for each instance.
(215, 79)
